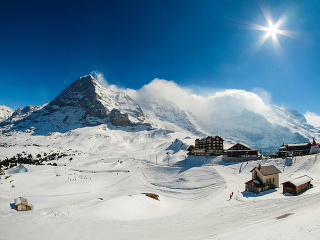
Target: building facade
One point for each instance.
(209, 145)
(263, 178)
(294, 149)
(240, 150)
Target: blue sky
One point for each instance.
(204, 45)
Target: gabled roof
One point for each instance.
(267, 170)
(314, 143)
(300, 180)
(244, 145)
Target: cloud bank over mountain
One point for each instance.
(222, 104)
(312, 118)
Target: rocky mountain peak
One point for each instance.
(84, 103)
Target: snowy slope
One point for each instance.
(99, 193)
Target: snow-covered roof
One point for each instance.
(20, 200)
(17, 201)
(300, 180)
(296, 144)
(256, 181)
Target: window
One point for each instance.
(273, 179)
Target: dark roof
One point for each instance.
(296, 144)
(238, 145)
(267, 170)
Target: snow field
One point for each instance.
(96, 196)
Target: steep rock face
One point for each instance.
(5, 113)
(84, 103)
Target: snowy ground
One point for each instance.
(99, 194)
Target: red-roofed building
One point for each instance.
(314, 147)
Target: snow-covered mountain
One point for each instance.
(87, 103)
(84, 103)
(5, 112)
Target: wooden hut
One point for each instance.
(2, 172)
(21, 204)
(297, 185)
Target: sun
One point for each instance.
(272, 30)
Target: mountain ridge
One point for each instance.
(87, 103)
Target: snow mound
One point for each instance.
(19, 169)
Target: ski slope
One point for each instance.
(91, 198)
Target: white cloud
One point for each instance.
(312, 118)
(220, 104)
(263, 94)
(100, 78)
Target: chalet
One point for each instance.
(241, 150)
(296, 149)
(209, 145)
(21, 204)
(297, 185)
(263, 178)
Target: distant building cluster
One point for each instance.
(213, 146)
(297, 149)
(263, 177)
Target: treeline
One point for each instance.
(24, 158)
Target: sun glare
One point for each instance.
(272, 30)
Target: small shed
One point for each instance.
(21, 204)
(297, 185)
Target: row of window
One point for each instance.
(269, 180)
